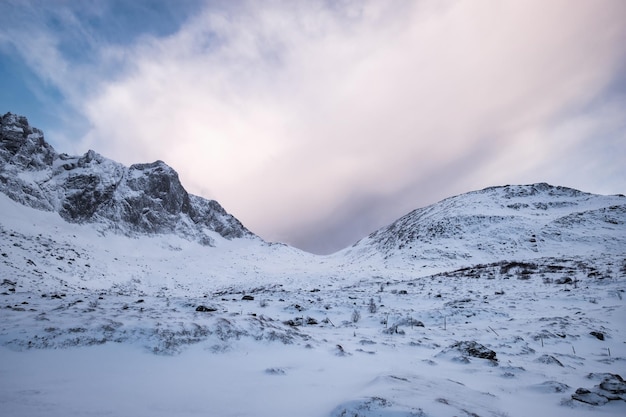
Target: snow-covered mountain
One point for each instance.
(501, 223)
(502, 302)
(497, 223)
(140, 199)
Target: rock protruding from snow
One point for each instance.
(140, 199)
(474, 350)
(612, 388)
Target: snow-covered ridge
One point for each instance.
(140, 199)
(498, 223)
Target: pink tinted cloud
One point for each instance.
(297, 115)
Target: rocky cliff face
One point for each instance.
(140, 199)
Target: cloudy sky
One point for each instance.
(317, 122)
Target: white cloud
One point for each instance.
(295, 114)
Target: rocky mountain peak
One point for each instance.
(143, 198)
(23, 145)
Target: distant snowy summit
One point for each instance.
(490, 225)
(140, 199)
(500, 223)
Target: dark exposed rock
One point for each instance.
(474, 349)
(614, 383)
(612, 388)
(589, 397)
(548, 360)
(409, 322)
(598, 335)
(294, 322)
(340, 351)
(140, 199)
(247, 298)
(275, 371)
(300, 321)
(205, 309)
(22, 145)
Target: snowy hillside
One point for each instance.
(141, 199)
(501, 223)
(503, 302)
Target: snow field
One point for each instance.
(237, 363)
(108, 325)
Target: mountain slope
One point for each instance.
(499, 223)
(140, 199)
(80, 312)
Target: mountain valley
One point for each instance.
(122, 294)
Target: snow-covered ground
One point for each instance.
(109, 325)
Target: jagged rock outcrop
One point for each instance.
(140, 199)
